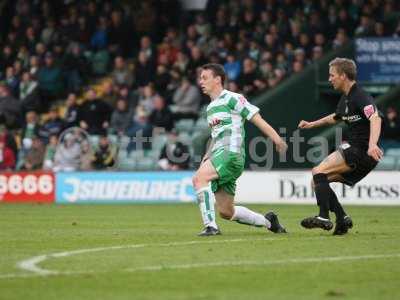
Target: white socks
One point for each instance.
(244, 215)
(206, 201)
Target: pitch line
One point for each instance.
(32, 264)
(288, 261)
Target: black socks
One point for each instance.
(326, 197)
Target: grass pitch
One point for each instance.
(152, 252)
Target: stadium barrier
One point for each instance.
(27, 187)
(124, 187)
(292, 187)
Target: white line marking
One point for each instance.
(298, 260)
(32, 264)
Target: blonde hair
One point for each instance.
(346, 66)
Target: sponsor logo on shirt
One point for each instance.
(214, 122)
(351, 119)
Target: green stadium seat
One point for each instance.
(203, 112)
(387, 163)
(153, 153)
(94, 140)
(185, 138)
(201, 125)
(146, 164)
(393, 152)
(159, 141)
(137, 154)
(113, 139)
(124, 141)
(184, 125)
(125, 162)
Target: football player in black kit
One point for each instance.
(356, 157)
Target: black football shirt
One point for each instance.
(355, 109)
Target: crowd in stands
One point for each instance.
(118, 68)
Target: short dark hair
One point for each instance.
(346, 66)
(217, 70)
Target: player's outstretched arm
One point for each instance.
(267, 130)
(327, 120)
(375, 130)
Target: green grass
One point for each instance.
(243, 263)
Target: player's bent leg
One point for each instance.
(326, 197)
(204, 175)
(206, 198)
(224, 204)
(243, 215)
(343, 220)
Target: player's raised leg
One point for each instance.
(206, 198)
(243, 215)
(332, 166)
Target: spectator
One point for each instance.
(232, 67)
(104, 157)
(320, 41)
(9, 108)
(317, 53)
(161, 117)
(54, 125)
(8, 139)
(86, 157)
(75, 68)
(34, 65)
(340, 39)
(140, 130)
(99, 39)
(186, 100)
(118, 35)
(120, 118)
(147, 48)
(49, 34)
(68, 153)
(12, 81)
(50, 80)
(146, 100)
(379, 29)
(144, 70)
(364, 28)
(30, 130)
(7, 57)
(391, 129)
(50, 152)
(23, 56)
(7, 157)
(131, 97)
(297, 67)
(109, 93)
(94, 114)
(181, 62)
(248, 76)
(174, 155)
(197, 59)
(162, 79)
(29, 93)
(71, 117)
(33, 159)
(121, 74)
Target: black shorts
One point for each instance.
(360, 162)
